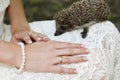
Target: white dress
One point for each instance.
(103, 40)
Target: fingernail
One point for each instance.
(45, 38)
(75, 71)
(84, 58)
(30, 41)
(82, 46)
(87, 50)
(38, 39)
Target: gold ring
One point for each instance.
(60, 59)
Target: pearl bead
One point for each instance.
(22, 66)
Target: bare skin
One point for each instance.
(43, 50)
(21, 31)
(40, 55)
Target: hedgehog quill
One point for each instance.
(81, 15)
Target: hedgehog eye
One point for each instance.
(63, 27)
(66, 23)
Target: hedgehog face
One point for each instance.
(62, 27)
(63, 24)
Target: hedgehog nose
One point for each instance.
(57, 33)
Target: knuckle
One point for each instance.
(79, 59)
(66, 70)
(62, 70)
(66, 60)
(71, 51)
(82, 50)
(73, 45)
(51, 45)
(75, 59)
(81, 45)
(26, 38)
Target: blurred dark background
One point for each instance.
(37, 10)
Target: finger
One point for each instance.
(44, 37)
(66, 45)
(15, 40)
(27, 39)
(35, 36)
(58, 69)
(23, 38)
(72, 59)
(38, 37)
(71, 51)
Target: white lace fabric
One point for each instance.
(3, 5)
(103, 40)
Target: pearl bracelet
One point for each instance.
(22, 66)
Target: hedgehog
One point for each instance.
(81, 15)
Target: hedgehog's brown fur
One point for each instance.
(80, 13)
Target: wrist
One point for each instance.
(17, 29)
(15, 58)
(21, 25)
(10, 53)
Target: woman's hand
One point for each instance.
(28, 36)
(19, 25)
(45, 56)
